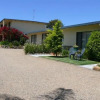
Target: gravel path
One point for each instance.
(29, 77)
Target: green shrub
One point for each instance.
(22, 40)
(45, 49)
(42, 49)
(93, 46)
(36, 49)
(7, 44)
(4, 43)
(29, 48)
(65, 52)
(39, 49)
(10, 45)
(15, 43)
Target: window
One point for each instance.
(33, 39)
(82, 39)
(43, 37)
(85, 37)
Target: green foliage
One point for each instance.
(93, 46)
(68, 60)
(53, 40)
(45, 49)
(29, 48)
(53, 22)
(22, 40)
(41, 49)
(15, 43)
(32, 48)
(4, 42)
(65, 52)
(11, 45)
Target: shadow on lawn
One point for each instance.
(58, 56)
(58, 94)
(9, 97)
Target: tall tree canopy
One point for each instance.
(54, 38)
(53, 22)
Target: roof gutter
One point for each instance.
(84, 24)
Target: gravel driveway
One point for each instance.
(32, 78)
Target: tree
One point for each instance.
(52, 23)
(93, 46)
(53, 40)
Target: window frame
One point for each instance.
(34, 39)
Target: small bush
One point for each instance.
(39, 49)
(45, 49)
(22, 40)
(31, 48)
(93, 46)
(65, 52)
(4, 43)
(15, 43)
(11, 45)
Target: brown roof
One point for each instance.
(23, 20)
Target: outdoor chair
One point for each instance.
(79, 56)
(72, 52)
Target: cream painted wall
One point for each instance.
(28, 27)
(70, 33)
(69, 38)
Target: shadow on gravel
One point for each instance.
(58, 94)
(9, 97)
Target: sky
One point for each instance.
(70, 12)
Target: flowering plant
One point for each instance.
(12, 34)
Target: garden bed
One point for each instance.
(14, 47)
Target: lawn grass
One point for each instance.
(71, 61)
